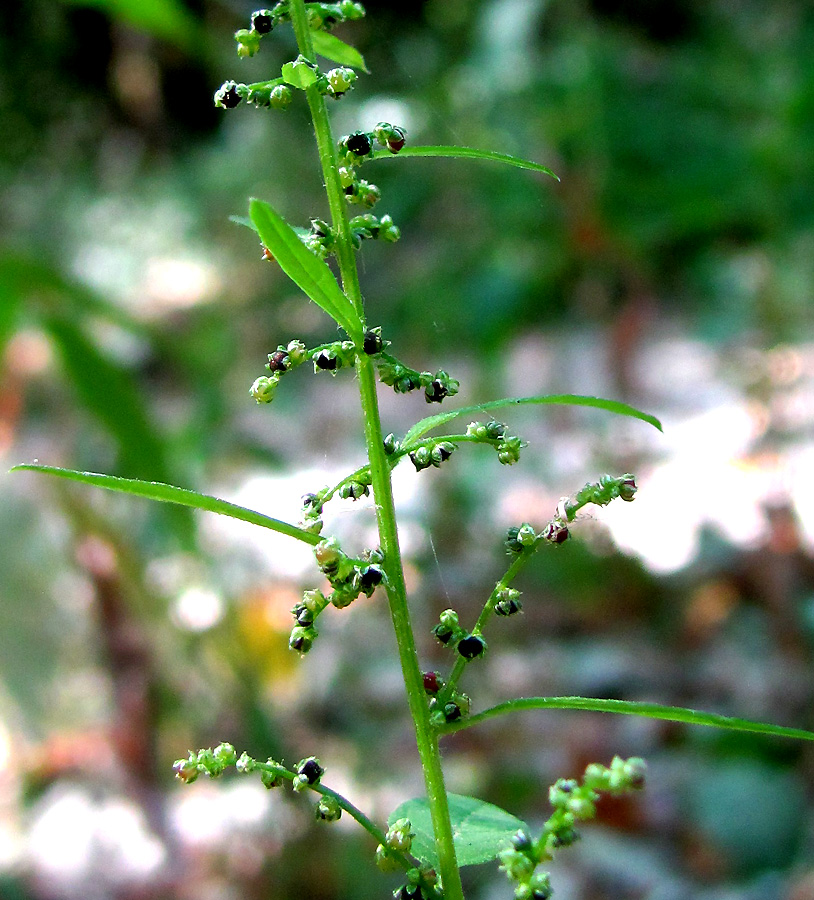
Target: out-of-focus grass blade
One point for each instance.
(168, 493)
(166, 19)
(422, 427)
(467, 153)
(307, 271)
(632, 708)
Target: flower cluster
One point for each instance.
(282, 360)
(321, 16)
(572, 802)
(508, 446)
(403, 379)
(445, 705)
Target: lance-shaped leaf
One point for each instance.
(480, 830)
(467, 153)
(306, 270)
(168, 493)
(329, 46)
(422, 427)
(631, 708)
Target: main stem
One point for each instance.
(426, 737)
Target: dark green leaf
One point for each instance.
(305, 269)
(480, 830)
(614, 406)
(467, 153)
(337, 51)
(166, 19)
(167, 493)
(631, 708)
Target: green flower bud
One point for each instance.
(270, 779)
(245, 764)
(354, 490)
(225, 755)
(297, 352)
(399, 836)
(186, 770)
(561, 791)
(518, 866)
(520, 538)
(391, 445)
(540, 885)
(341, 80)
(328, 809)
(248, 42)
(441, 452)
(508, 450)
(346, 176)
(421, 458)
(507, 602)
(476, 430)
(351, 10)
(281, 96)
(386, 861)
(627, 488)
(329, 556)
(263, 388)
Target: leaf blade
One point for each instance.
(633, 708)
(331, 47)
(307, 271)
(479, 829)
(424, 425)
(168, 493)
(452, 152)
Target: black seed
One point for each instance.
(435, 391)
(443, 633)
(471, 646)
(312, 770)
(229, 97)
(358, 143)
(262, 22)
(452, 712)
(372, 343)
(371, 576)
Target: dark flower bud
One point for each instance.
(358, 143)
(391, 445)
(627, 488)
(435, 391)
(521, 841)
(370, 577)
(373, 342)
(325, 360)
(279, 361)
(310, 769)
(303, 615)
(471, 646)
(452, 712)
(270, 779)
(432, 682)
(262, 21)
(556, 532)
(518, 538)
(507, 602)
(227, 96)
(495, 430)
(353, 490)
(302, 638)
(421, 458)
(444, 633)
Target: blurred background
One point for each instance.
(671, 268)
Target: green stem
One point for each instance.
(629, 708)
(426, 739)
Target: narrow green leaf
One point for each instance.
(467, 153)
(306, 270)
(422, 427)
(632, 708)
(167, 493)
(299, 74)
(480, 830)
(329, 46)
